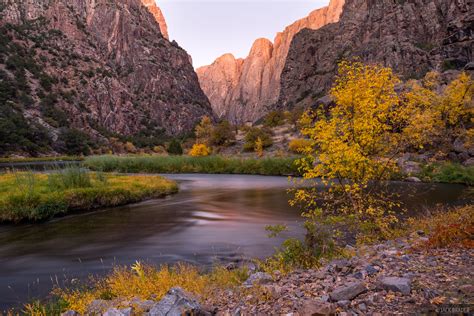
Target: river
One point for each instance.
(213, 219)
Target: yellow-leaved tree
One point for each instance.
(259, 147)
(436, 116)
(204, 131)
(354, 149)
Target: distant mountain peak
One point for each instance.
(256, 85)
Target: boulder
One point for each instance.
(413, 179)
(409, 167)
(99, 306)
(466, 289)
(142, 306)
(469, 66)
(70, 313)
(396, 284)
(371, 270)
(469, 162)
(316, 308)
(340, 265)
(175, 303)
(461, 145)
(259, 278)
(348, 291)
(118, 312)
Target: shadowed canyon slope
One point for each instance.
(412, 37)
(101, 66)
(241, 89)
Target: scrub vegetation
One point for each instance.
(187, 164)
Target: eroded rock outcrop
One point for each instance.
(240, 90)
(100, 66)
(412, 37)
(159, 17)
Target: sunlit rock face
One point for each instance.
(412, 37)
(160, 18)
(113, 61)
(241, 90)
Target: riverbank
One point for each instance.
(438, 172)
(40, 159)
(27, 196)
(429, 265)
(441, 172)
(274, 166)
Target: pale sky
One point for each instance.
(208, 29)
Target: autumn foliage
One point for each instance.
(299, 145)
(356, 144)
(435, 116)
(200, 150)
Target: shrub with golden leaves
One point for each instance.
(434, 115)
(200, 150)
(148, 282)
(259, 147)
(204, 130)
(300, 145)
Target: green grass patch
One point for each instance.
(26, 196)
(186, 164)
(41, 159)
(448, 172)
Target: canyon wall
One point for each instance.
(412, 37)
(240, 90)
(101, 66)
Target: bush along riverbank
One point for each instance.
(427, 266)
(185, 164)
(27, 196)
(445, 172)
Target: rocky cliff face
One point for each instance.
(412, 37)
(159, 17)
(240, 90)
(100, 66)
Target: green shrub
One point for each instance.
(52, 114)
(223, 134)
(448, 172)
(174, 148)
(17, 134)
(75, 142)
(274, 119)
(255, 133)
(186, 164)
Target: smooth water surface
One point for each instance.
(214, 218)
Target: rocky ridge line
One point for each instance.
(241, 89)
(412, 37)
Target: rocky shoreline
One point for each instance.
(397, 277)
